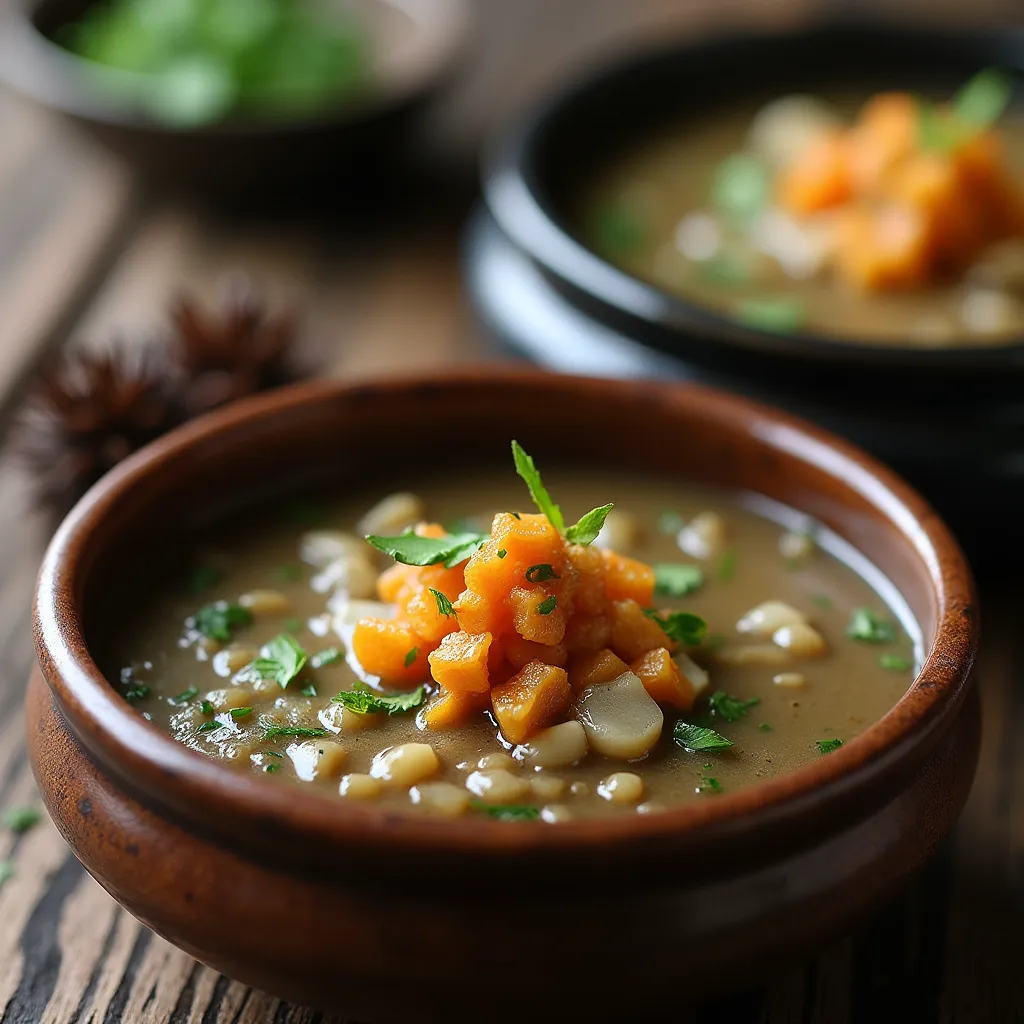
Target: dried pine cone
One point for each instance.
(236, 350)
(86, 413)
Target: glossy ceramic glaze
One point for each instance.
(208, 856)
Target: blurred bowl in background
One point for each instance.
(410, 47)
(949, 418)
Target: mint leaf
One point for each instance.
(412, 549)
(829, 746)
(683, 627)
(867, 626)
(677, 579)
(732, 709)
(586, 530)
(696, 737)
(217, 621)
(282, 658)
(531, 476)
(980, 102)
(368, 702)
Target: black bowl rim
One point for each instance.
(513, 193)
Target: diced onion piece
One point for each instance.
(316, 758)
(620, 718)
(231, 659)
(796, 546)
(698, 236)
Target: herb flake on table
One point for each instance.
(867, 626)
(20, 819)
(829, 746)
(732, 709)
(677, 579)
(696, 737)
(217, 621)
(364, 701)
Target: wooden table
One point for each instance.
(86, 256)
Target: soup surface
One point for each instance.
(831, 215)
(243, 659)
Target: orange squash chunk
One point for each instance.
(601, 667)
(526, 541)
(520, 652)
(435, 530)
(536, 615)
(818, 178)
(663, 679)
(478, 615)
(633, 633)
(381, 647)
(425, 620)
(460, 662)
(585, 634)
(626, 578)
(449, 708)
(884, 248)
(589, 565)
(886, 131)
(535, 697)
(397, 583)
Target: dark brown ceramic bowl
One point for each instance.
(379, 915)
(414, 45)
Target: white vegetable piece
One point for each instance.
(619, 533)
(499, 759)
(622, 788)
(801, 248)
(338, 718)
(440, 798)
(739, 655)
(265, 602)
(547, 787)
(405, 765)
(554, 813)
(769, 616)
(989, 311)
(620, 718)
(232, 697)
(782, 129)
(354, 575)
(319, 548)
(393, 514)
(703, 536)
(796, 546)
(801, 639)
(698, 236)
(696, 676)
(556, 747)
(791, 680)
(497, 786)
(316, 758)
(359, 787)
(228, 661)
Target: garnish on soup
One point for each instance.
(518, 665)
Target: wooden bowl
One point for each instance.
(415, 44)
(379, 915)
(548, 295)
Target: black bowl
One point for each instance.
(415, 45)
(952, 419)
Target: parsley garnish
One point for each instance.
(508, 812)
(410, 656)
(20, 819)
(828, 746)
(531, 476)
(869, 627)
(202, 579)
(283, 660)
(412, 549)
(586, 530)
(444, 605)
(185, 696)
(136, 693)
(732, 709)
(271, 731)
(328, 656)
(684, 627)
(541, 573)
(502, 552)
(237, 713)
(210, 726)
(217, 621)
(309, 690)
(676, 579)
(548, 605)
(709, 784)
(696, 737)
(726, 566)
(365, 701)
(895, 662)
(207, 708)
(272, 768)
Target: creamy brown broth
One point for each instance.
(844, 691)
(657, 183)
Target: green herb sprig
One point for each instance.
(365, 701)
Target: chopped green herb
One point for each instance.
(136, 693)
(684, 627)
(506, 812)
(531, 476)
(217, 621)
(696, 737)
(895, 662)
(515, 515)
(778, 314)
(670, 522)
(272, 753)
(726, 566)
(829, 746)
(765, 727)
(677, 579)
(283, 658)
(237, 713)
(502, 552)
(306, 513)
(411, 656)
(586, 530)
(709, 784)
(20, 819)
(822, 601)
(288, 573)
(292, 625)
(6, 871)
(309, 690)
(368, 702)
(869, 627)
(202, 579)
(548, 605)
(741, 187)
(541, 573)
(980, 102)
(185, 696)
(207, 708)
(210, 726)
(272, 731)
(411, 549)
(444, 605)
(272, 768)
(328, 656)
(618, 230)
(732, 709)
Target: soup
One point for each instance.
(681, 645)
(892, 221)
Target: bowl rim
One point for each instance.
(36, 67)
(202, 789)
(514, 194)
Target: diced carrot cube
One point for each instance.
(585, 634)
(634, 633)
(535, 697)
(451, 708)
(423, 617)
(536, 615)
(663, 680)
(460, 662)
(520, 652)
(819, 178)
(626, 578)
(382, 646)
(478, 615)
(601, 667)
(589, 597)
